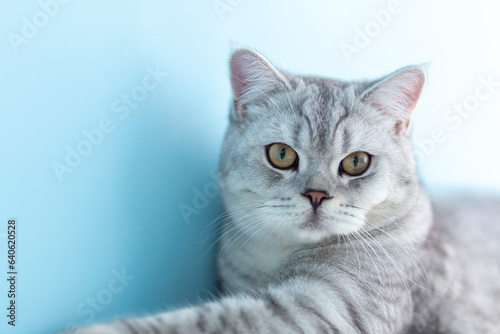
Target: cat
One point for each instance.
(328, 228)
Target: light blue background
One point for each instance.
(119, 209)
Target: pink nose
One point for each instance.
(316, 197)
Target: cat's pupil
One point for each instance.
(283, 152)
(355, 161)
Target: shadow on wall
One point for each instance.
(170, 199)
(167, 201)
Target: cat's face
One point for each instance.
(312, 158)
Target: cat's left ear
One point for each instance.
(396, 95)
(253, 79)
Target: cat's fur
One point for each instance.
(373, 258)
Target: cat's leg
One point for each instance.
(234, 315)
(300, 305)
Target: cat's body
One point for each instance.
(453, 277)
(471, 226)
(328, 229)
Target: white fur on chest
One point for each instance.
(247, 261)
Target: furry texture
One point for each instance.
(372, 258)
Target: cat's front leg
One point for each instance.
(285, 309)
(309, 297)
(243, 314)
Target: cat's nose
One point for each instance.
(316, 197)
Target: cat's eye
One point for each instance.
(282, 156)
(355, 163)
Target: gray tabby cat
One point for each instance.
(328, 228)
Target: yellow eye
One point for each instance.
(355, 163)
(282, 156)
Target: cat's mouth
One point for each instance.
(321, 223)
(314, 221)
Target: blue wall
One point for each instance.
(112, 114)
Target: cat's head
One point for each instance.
(311, 158)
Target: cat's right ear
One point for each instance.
(396, 95)
(253, 78)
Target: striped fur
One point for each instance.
(375, 257)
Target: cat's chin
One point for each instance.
(313, 222)
(319, 227)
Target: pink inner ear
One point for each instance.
(410, 88)
(243, 66)
(239, 65)
(397, 95)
